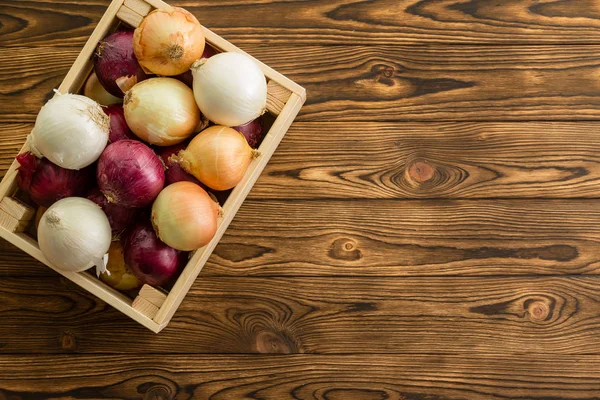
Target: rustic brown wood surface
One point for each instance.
(428, 229)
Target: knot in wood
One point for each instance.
(68, 342)
(156, 391)
(420, 171)
(538, 310)
(269, 342)
(345, 249)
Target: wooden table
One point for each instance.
(428, 229)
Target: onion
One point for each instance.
(118, 274)
(162, 111)
(174, 172)
(218, 157)
(118, 126)
(70, 130)
(187, 77)
(95, 91)
(47, 183)
(167, 42)
(130, 174)
(115, 64)
(230, 88)
(184, 216)
(120, 217)
(150, 260)
(253, 131)
(74, 234)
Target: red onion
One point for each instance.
(47, 183)
(115, 63)
(130, 174)
(118, 127)
(174, 172)
(150, 260)
(253, 131)
(188, 77)
(119, 217)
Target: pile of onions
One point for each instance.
(118, 274)
(151, 261)
(119, 217)
(167, 42)
(161, 111)
(47, 183)
(71, 131)
(115, 64)
(130, 174)
(230, 88)
(74, 234)
(95, 91)
(184, 216)
(253, 131)
(219, 157)
(118, 126)
(174, 172)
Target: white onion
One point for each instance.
(95, 91)
(74, 234)
(71, 131)
(230, 88)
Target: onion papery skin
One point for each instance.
(47, 183)
(174, 172)
(120, 217)
(121, 277)
(230, 88)
(150, 260)
(218, 156)
(115, 63)
(188, 77)
(184, 216)
(130, 174)
(71, 131)
(118, 126)
(95, 91)
(167, 42)
(162, 111)
(253, 131)
(74, 234)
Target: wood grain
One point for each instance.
(379, 83)
(398, 238)
(365, 377)
(47, 22)
(418, 160)
(532, 315)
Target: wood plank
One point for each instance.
(398, 238)
(48, 22)
(535, 315)
(418, 160)
(385, 83)
(307, 376)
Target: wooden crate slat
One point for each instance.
(129, 16)
(17, 209)
(10, 223)
(141, 7)
(145, 307)
(152, 295)
(277, 96)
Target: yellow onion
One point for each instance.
(119, 275)
(167, 42)
(218, 157)
(184, 216)
(161, 111)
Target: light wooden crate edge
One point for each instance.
(285, 98)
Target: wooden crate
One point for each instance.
(152, 308)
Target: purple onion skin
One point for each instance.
(150, 260)
(253, 131)
(47, 183)
(174, 172)
(120, 218)
(118, 127)
(130, 174)
(188, 77)
(114, 58)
